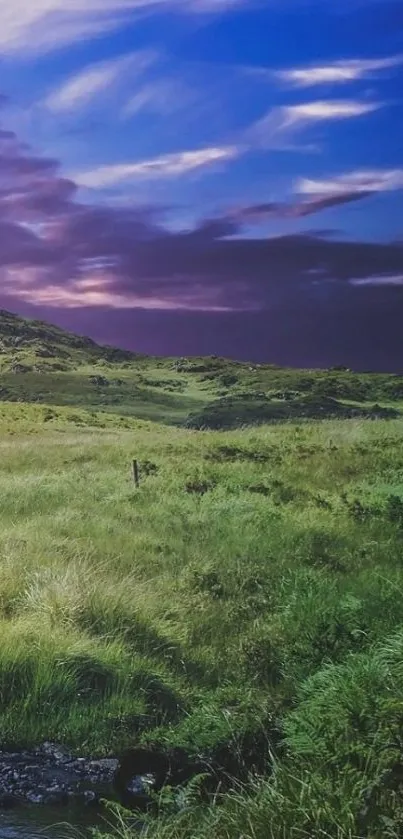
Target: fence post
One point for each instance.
(136, 474)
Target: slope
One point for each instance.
(40, 363)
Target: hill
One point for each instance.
(40, 363)
(34, 341)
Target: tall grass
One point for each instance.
(253, 584)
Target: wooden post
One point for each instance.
(136, 475)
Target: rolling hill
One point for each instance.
(40, 363)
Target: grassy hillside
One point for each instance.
(42, 364)
(249, 592)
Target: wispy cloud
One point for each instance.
(42, 25)
(170, 165)
(78, 90)
(273, 131)
(324, 110)
(258, 213)
(285, 121)
(337, 72)
(163, 97)
(383, 279)
(361, 180)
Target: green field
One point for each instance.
(250, 590)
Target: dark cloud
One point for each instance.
(308, 208)
(30, 186)
(97, 269)
(258, 212)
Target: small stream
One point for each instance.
(44, 791)
(33, 821)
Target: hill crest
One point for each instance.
(42, 363)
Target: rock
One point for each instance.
(133, 765)
(53, 751)
(22, 368)
(50, 775)
(106, 765)
(100, 381)
(142, 771)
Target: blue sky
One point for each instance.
(178, 137)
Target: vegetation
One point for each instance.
(258, 409)
(247, 597)
(42, 364)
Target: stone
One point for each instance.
(50, 775)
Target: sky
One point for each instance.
(192, 177)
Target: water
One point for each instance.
(52, 823)
(50, 772)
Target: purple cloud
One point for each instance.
(59, 254)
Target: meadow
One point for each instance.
(248, 596)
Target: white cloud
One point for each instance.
(161, 97)
(324, 110)
(92, 80)
(274, 128)
(170, 165)
(39, 25)
(383, 279)
(361, 180)
(338, 71)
